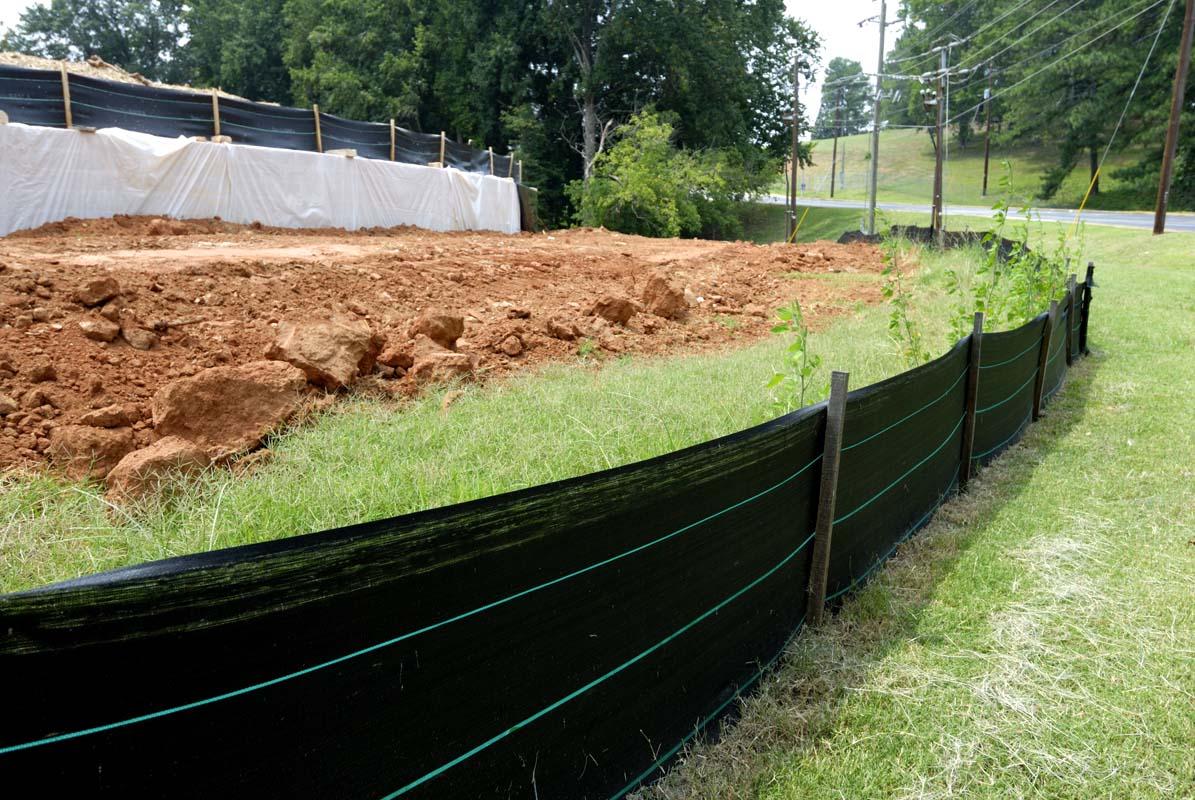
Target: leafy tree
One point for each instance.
(846, 100)
(139, 35)
(238, 45)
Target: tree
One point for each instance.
(846, 101)
(141, 36)
(238, 45)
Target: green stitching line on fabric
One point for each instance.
(988, 452)
(440, 770)
(32, 99)
(139, 114)
(1011, 396)
(226, 124)
(905, 419)
(409, 635)
(1035, 346)
(912, 529)
(913, 469)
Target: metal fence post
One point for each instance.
(831, 453)
(972, 396)
(1087, 284)
(1042, 357)
(1071, 288)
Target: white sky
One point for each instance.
(836, 21)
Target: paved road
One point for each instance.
(1123, 219)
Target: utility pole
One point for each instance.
(837, 130)
(987, 133)
(1176, 107)
(796, 152)
(875, 125)
(939, 103)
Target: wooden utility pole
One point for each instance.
(1176, 108)
(837, 131)
(987, 132)
(875, 125)
(939, 104)
(796, 152)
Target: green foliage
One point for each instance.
(1010, 286)
(902, 329)
(140, 35)
(795, 380)
(846, 100)
(238, 47)
(644, 184)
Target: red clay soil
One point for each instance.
(215, 293)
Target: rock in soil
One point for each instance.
(97, 290)
(439, 326)
(85, 452)
(442, 367)
(99, 329)
(142, 471)
(613, 308)
(512, 345)
(7, 405)
(331, 352)
(227, 410)
(663, 299)
(117, 415)
(139, 338)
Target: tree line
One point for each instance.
(1059, 74)
(558, 80)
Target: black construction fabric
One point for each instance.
(902, 446)
(1056, 360)
(563, 640)
(32, 96)
(267, 126)
(528, 208)
(369, 139)
(412, 147)
(1007, 375)
(161, 112)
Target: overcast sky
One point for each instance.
(836, 21)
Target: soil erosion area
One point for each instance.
(98, 317)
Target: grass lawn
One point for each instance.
(765, 222)
(1037, 639)
(907, 173)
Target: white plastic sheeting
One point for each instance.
(48, 174)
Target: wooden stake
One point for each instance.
(319, 139)
(520, 170)
(972, 397)
(1087, 285)
(215, 112)
(831, 454)
(66, 96)
(510, 163)
(1071, 289)
(392, 135)
(491, 152)
(1042, 357)
(443, 146)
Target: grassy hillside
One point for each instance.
(907, 173)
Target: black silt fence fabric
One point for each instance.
(369, 139)
(267, 126)
(1007, 376)
(106, 104)
(1056, 359)
(413, 147)
(32, 96)
(902, 447)
(563, 641)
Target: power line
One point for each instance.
(931, 51)
(1060, 59)
(931, 34)
(1028, 19)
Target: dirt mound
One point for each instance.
(205, 293)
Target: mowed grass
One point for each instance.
(765, 222)
(369, 459)
(1037, 639)
(907, 173)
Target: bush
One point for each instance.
(646, 185)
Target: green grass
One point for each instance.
(764, 222)
(1037, 639)
(907, 173)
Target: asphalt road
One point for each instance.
(1123, 219)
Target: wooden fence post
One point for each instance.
(1087, 284)
(1071, 288)
(510, 163)
(520, 170)
(443, 147)
(215, 112)
(1042, 357)
(490, 150)
(972, 397)
(66, 96)
(319, 139)
(392, 137)
(823, 534)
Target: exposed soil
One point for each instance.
(215, 293)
